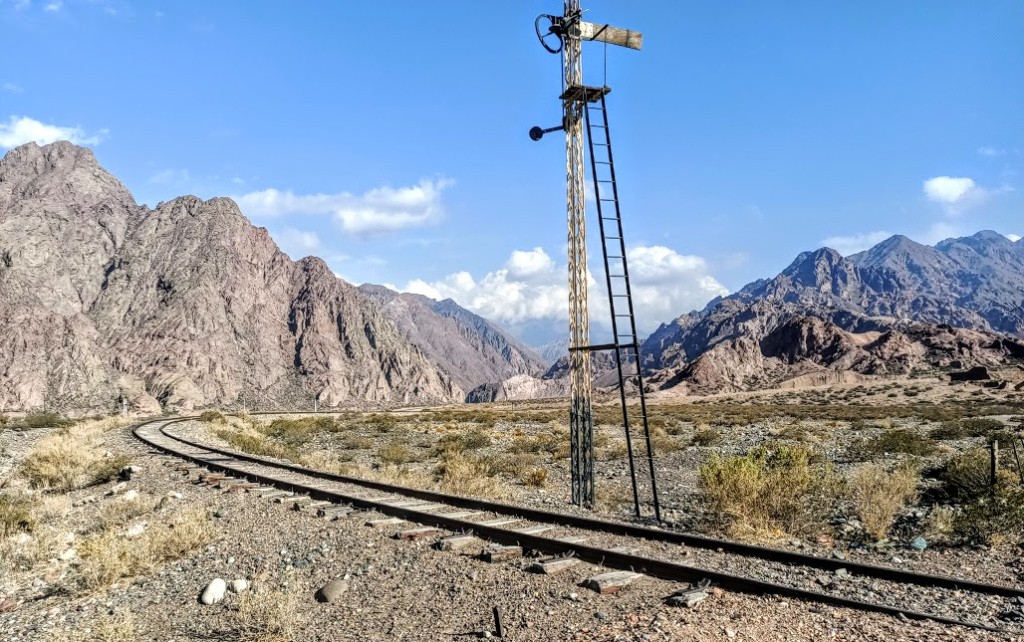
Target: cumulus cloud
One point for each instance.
(847, 245)
(10, 87)
(949, 190)
(1013, 237)
(531, 286)
(297, 243)
(22, 129)
(379, 211)
(54, 7)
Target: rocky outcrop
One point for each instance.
(898, 306)
(468, 348)
(187, 304)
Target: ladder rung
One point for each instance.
(601, 144)
(603, 162)
(603, 181)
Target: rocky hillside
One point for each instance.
(470, 349)
(184, 305)
(895, 307)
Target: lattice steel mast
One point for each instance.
(571, 30)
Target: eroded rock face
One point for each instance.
(470, 349)
(187, 304)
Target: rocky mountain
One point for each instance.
(470, 349)
(184, 305)
(897, 306)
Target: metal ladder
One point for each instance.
(620, 298)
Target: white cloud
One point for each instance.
(991, 151)
(10, 87)
(847, 245)
(378, 211)
(53, 7)
(1013, 237)
(531, 286)
(297, 243)
(940, 232)
(948, 190)
(21, 130)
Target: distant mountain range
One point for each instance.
(960, 302)
(188, 305)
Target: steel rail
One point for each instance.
(613, 559)
(628, 530)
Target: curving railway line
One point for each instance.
(503, 531)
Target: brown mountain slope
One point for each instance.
(187, 303)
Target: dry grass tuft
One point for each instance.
(395, 452)
(265, 616)
(73, 458)
(108, 556)
(15, 515)
(769, 492)
(463, 474)
(879, 495)
(537, 478)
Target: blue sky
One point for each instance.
(394, 145)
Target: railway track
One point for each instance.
(503, 531)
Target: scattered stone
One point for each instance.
(601, 615)
(135, 531)
(125, 474)
(116, 488)
(689, 599)
(895, 559)
(839, 555)
(69, 554)
(214, 592)
(842, 573)
(91, 499)
(331, 591)
(175, 495)
(611, 582)
(237, 586)
(130, 496)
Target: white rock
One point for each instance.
(175, 495)
(237, 586)
(214, 592)
(136, 530)
(69, 554)
(130, 495)
(118, 487)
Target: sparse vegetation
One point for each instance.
(265, 616)
(896, 440)
(212, 416)
(995, 519)
(769, 491)
(395, 452)
(15, 515)
(966, 428)
(707, 437)
(72, 458)
(878, 495)
(536, 477)
(108, 556)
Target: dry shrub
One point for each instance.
(355, 442)
(118, 511)
(994, 519)
(967, 474)
(108, 556)
(537, 477)
(879, 495)
(897, 440)
(15, 515)
(940, 525)
(327, 462)
(769, 491)
(613, 498)
(616, 449)
(265, 616)
(73, 458)
(395, 452)
(706, 436)
(462, 474)
(461, 442)
(212, 416)
(249, 441)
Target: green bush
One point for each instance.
(994, 519)
(768, 491)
